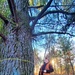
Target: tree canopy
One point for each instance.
(53, 16)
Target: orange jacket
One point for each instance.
(48, 68)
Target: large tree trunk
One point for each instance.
(17, 52)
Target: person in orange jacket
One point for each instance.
(46, 68)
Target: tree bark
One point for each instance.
(72, 67)
(17, 51)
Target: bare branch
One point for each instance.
(51, 12)
(13, 10)
(36, 6)
(4, 19)
(58, 11)
(32, 18)
(43, 10)
(43, 33)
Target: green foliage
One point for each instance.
(1, 26)
(37, 2)
(31, 2)
(4, 8)
(42, 2)
(66, 2)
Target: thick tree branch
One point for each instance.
(3, 37)
(43, 10)
(32, 18)
(43, 33)
(13, 10)
(36, 6)
(51, 12)
(4, 19)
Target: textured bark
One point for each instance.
(18, 45)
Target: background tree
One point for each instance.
(66, 47)
(37, 62)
